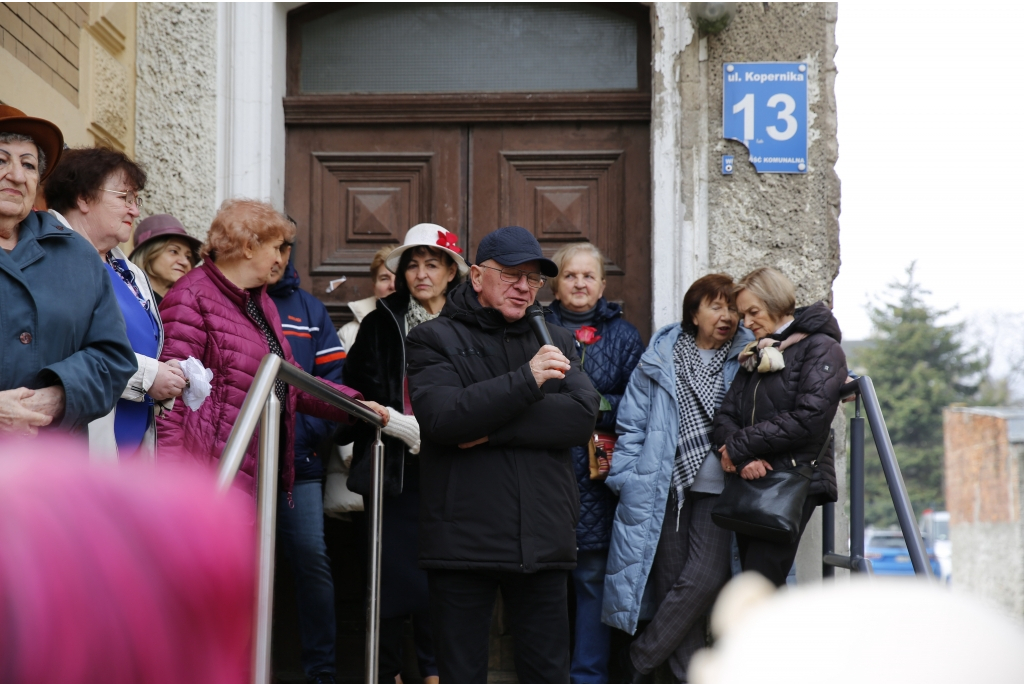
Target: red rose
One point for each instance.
(587, 335)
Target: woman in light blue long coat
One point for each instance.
(667, 479)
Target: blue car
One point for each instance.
(887, 551)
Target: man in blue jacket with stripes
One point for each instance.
(316, 347)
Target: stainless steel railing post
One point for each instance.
(262, 407)
(266, 517)
(373, 576)
(245, 425)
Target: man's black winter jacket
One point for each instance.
(786, 415)
(510, 503)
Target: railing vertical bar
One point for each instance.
(266, 517)
(373, 575)
(828, 537)
(245, 425)
(897, 488)
(857, 492)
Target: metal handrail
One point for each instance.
(856, 561)
(261, 407)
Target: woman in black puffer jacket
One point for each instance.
(426, 267)
(778, 412)
(579, 289)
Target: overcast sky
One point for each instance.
(930, 155)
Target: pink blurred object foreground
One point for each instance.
(128, 573)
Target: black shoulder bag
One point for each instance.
(769, 508)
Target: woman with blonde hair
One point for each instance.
(220, 314)
(165, 251)
(778, 413)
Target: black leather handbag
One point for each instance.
(770, 507)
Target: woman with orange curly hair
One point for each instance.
(220, 314)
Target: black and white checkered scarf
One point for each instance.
(700, 389)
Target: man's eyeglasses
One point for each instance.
(533, 279)
(130, 198)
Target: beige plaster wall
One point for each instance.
(102, 110)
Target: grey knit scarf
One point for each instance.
(700, 389)
(416, 315)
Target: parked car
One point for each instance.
(935, 531)
(887, 551)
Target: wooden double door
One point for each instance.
(355, 188)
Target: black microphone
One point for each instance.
(535, 313)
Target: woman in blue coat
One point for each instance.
(668, 560)
(608, 362)
(64, 355)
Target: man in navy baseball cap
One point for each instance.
(512, 246)
(498, 494)
(510, 268)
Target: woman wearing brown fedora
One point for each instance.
(64, 350)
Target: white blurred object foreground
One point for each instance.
(870, 630)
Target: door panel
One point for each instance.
(568, 183)
(352, 190)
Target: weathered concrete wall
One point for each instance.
(737, 223)
(788, 221)
(984, 472)
(176, 110)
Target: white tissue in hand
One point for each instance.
(199, 378)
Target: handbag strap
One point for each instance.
(831, 436)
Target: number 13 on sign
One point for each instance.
(746, 105)
(765, 108)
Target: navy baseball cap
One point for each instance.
(512, 246)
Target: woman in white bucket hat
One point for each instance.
(426, 266)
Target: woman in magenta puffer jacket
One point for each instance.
(220, 314)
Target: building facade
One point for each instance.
(601, 122)
(214, 100)
(74, 64)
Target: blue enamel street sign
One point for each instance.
(764, 106)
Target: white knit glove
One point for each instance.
(405, 428)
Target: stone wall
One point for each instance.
(788, 221)
(176, 118)
(736, 223)
(984, 470)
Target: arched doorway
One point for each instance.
(474, 117)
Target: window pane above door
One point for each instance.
(457, 48)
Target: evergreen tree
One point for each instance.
(918, 367)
